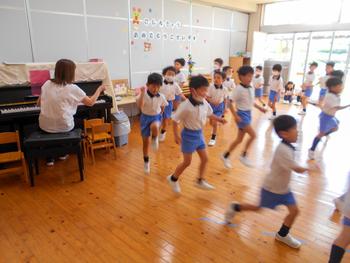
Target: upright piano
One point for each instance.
(19, 110)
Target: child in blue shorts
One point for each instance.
(328, 122)
(307, 87)
(343, 240)
(169, 89)
(276, 86)
(193, 114)
(217, 97)
(151, 104)
(322, 81)
(276, 190)
(258, 84)
(180, 78)
(241, 105)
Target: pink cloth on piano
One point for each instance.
(37, 79)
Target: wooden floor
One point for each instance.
(120, 215)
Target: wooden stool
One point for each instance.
(42, 145)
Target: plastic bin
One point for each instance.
(121, 127)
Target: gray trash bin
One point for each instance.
(121, 127)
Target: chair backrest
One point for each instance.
(10, 137)
(89, 123)
(102, 131)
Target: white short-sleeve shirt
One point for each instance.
(346, 210)
(58, 104)
(258, 81)
(152, 104)
(276, 84)
(278, 180)
(309, 78)
(170, 90)
(193, 117)
(243, 97)
(217, 95)
(331, 100)
(180, 78)
(229, 84)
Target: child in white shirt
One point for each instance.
(151, 104)
(193, 114)
(170, 89)
(180, 78)
(328, 122)
(276, 86)
(276, 190)
(258, 84)
(322, 81)
(308, 87)
(241, 105)
(229, 82)
(217, 97)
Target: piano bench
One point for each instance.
(43, 145)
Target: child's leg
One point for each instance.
(215, 128)
(236, 142)
(289, 220)
(164, 125)
(154, 129)
(203, 155)
(316, 140)
(261, 101)
(145, 141)
(339, 245)
(187, 158)
(304, 100)
(252, 136)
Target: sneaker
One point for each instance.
(289, 241)
(162, 137)
(230, 213)
(155, 144)
(246, 161)
(285, 102)
(227, 162)
(339, 204)
(302, 113)
(147, 167)
(50, 162)
(62, 158)
(174, 185)
(203, 184)
(311, 155)
(272, 117)
(211, 142)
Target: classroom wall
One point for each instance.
(134, 37)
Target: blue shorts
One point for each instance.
(246, 118)
(258, 93)
(327, 122)
(346, 221)
(273, 96)
(177, 98)
(219, 109)
(307, 92)
(192, 140)
(323, 93)
(146, 121)
(168, 110)
(271, 200)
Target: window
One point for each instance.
(345, 17)
(304, 12)
(279, 47)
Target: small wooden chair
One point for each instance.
(102, 136)
(87, 132)
(14, 156)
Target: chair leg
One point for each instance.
(31, 174)
(80, 164)
(92, 154)
(25, 171)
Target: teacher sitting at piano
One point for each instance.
(60, 98)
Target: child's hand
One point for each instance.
(223, 121)
(143, 89)
(177, 139)
(102, 88)
(263, 110)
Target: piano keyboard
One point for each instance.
(32, 108)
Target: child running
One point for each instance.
(276, 86)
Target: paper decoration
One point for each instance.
(178, 38)
(158, 35)
(190, 64)
(160, 23)
(136, 35)
(178, 24)
(171, 37)
(132, 42)
(183, 38)
(147, 46)
(146, 21)
(150, 10)
(136, 16)
(189, 37)
(194, 38)
(165, 36)
(150, 35)
(143, 35)
(154, 22)
(167, 23)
